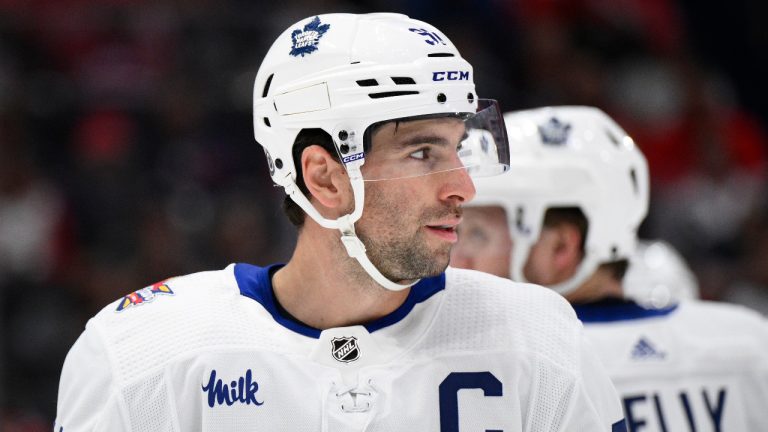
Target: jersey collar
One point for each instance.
(612, 310)
(255, 283)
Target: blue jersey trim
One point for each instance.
(255, 283)
(617, 310)
(420, 292)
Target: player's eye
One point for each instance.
(420, 154)
(477, 235)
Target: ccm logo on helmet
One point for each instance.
(450, 76)
(353, 157)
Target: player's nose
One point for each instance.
(458, 187)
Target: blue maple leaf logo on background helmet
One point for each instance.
(554, 132)
(305, 41)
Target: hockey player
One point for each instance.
(362, 119)
(566, 216)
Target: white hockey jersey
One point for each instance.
(211, 352)
(698, 366)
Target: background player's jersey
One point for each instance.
(210, 352)
(699, 366)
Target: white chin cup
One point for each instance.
(586, 268)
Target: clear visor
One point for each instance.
(422, 145)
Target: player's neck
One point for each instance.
(599, 286)
(323, 287)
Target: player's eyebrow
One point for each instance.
(423, 139)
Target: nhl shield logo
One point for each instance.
(345, 349)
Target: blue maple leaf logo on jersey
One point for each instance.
(305, 41)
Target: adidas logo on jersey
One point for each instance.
(643, 349)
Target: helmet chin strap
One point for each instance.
(356, 249)
(585, 270)
(346, 224)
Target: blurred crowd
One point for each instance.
(127, 154)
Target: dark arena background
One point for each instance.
(127, 153)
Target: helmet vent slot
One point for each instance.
(367, 82)
(612, 137)
(403, 80)
(633, 176)
(391, 94)
(266, 86)
(441, 55)
(519, 217)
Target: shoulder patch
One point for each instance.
(144, 295)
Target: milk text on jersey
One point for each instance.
(243, 390)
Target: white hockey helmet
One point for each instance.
(658, 276)
(343, 73)
(570, 157)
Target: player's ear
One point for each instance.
(325, 178)
(566, 253)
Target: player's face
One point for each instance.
(485, 244)
(484, 241)
(409, 224)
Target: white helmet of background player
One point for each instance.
(658, 276)
(570, 157)
(343, 73)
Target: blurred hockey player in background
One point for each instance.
(566, 216)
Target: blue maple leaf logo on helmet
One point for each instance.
(554, 132)
(305, 41)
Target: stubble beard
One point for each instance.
(397, 252)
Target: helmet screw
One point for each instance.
(470, 97)
(441, 97)
(344, 148)
(279, 163)
(343, 135)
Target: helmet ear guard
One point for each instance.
(570, 157)
(342, 73)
